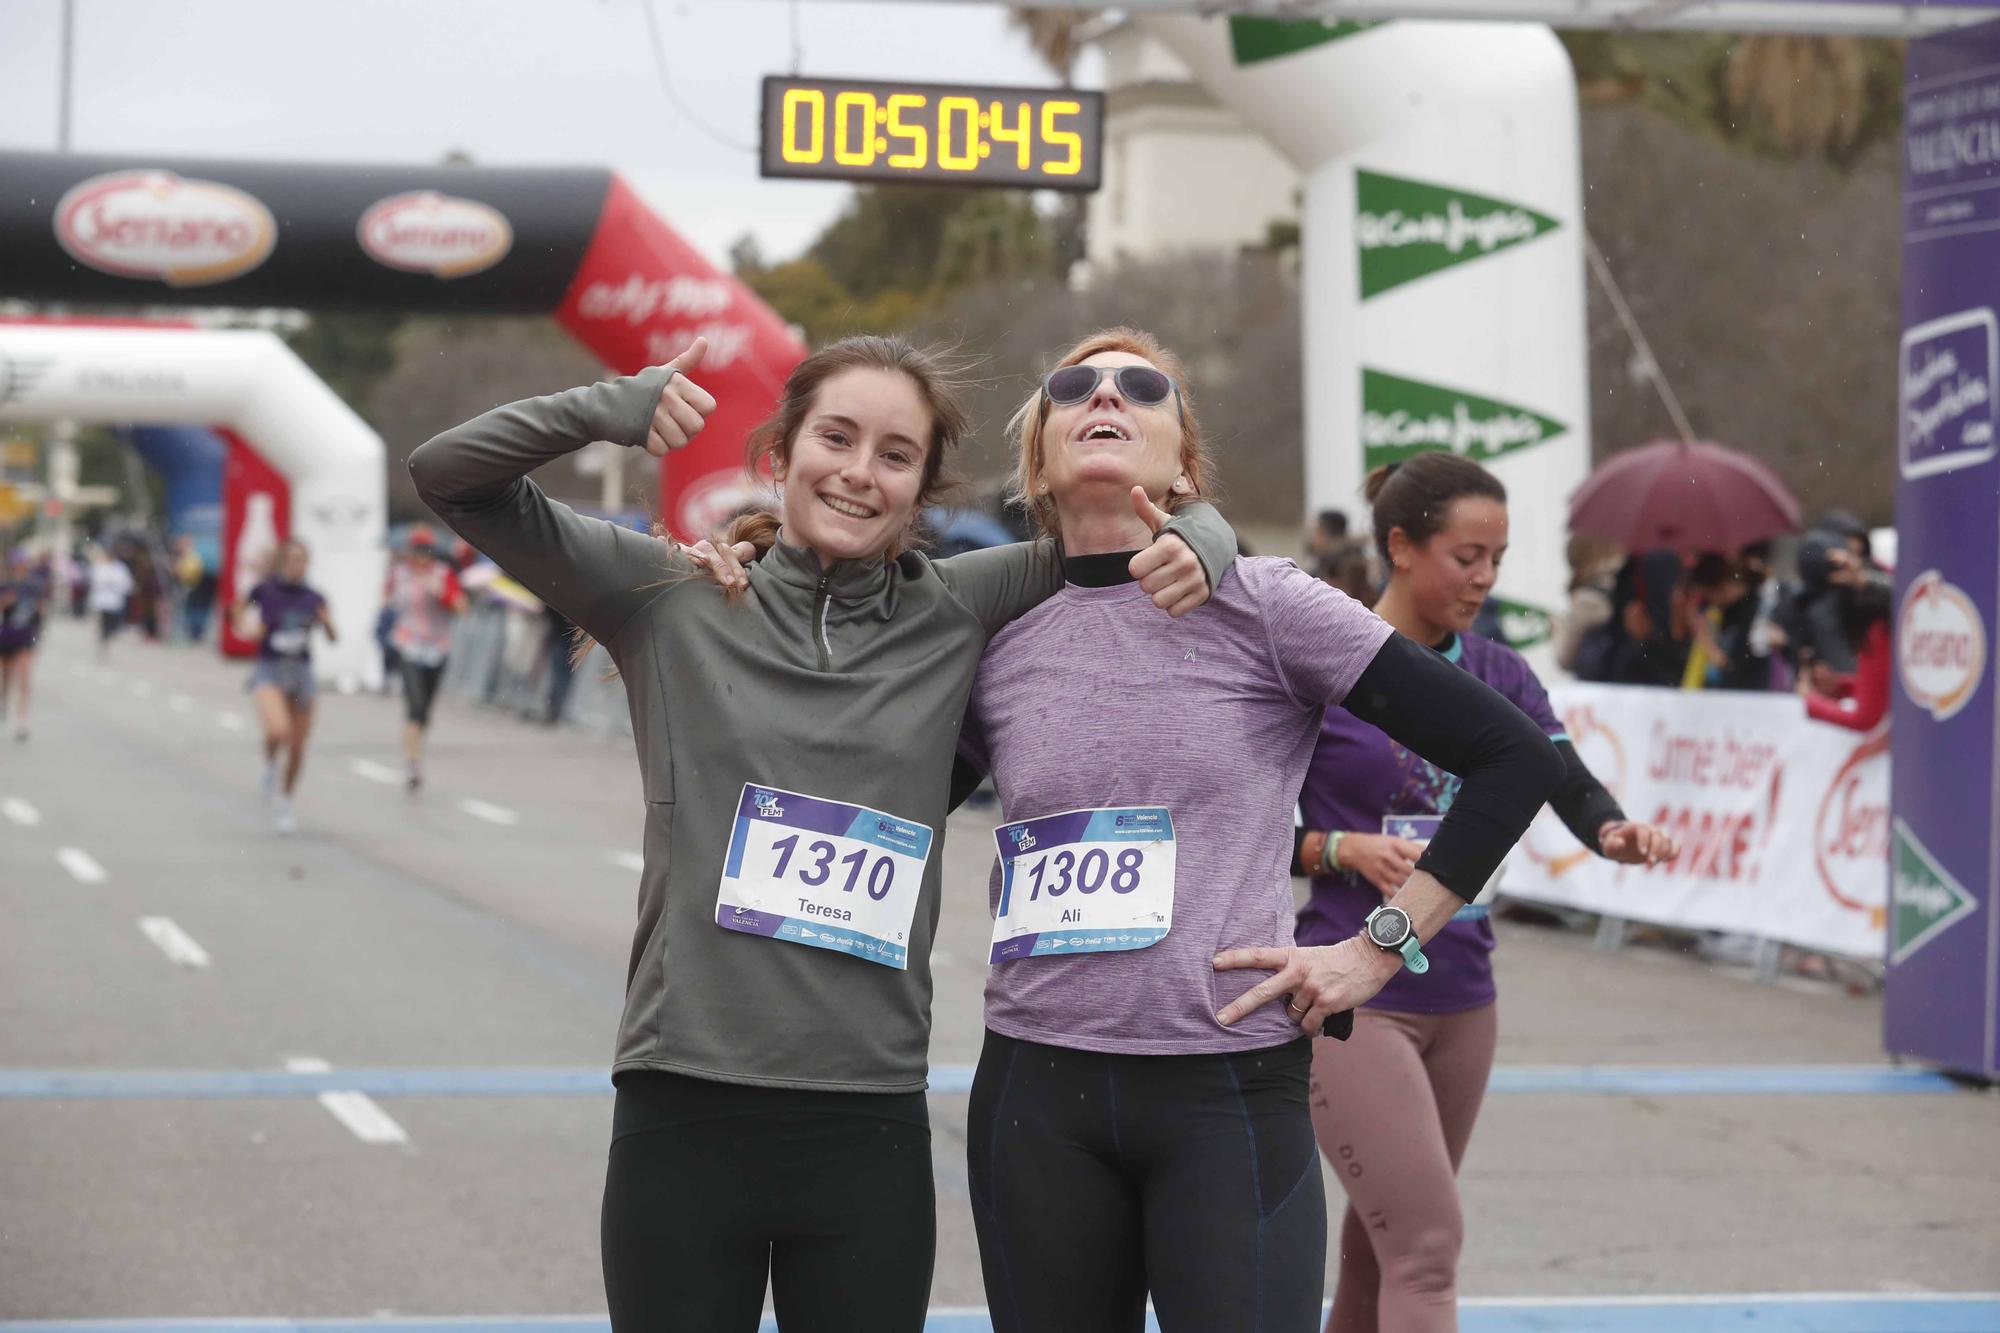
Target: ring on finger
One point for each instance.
(1295, 1008)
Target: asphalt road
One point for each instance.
(484, 925)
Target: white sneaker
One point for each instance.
(286, 822)
(270, 785)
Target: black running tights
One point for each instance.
(714, 1187)
(1097, 1179)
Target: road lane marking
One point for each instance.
(230, 721)
(945, 1081)
(626, 860)
(486, 810)
(356, 1110)
(20, 812)
(175, 943)
(374, 772)
(82, 865)
(1913, 1312)
(180, 703)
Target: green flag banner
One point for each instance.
(1522, 625)
(1924, 899)
(1401, 417)
(1253, 39)
(1405, 229)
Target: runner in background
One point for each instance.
(24, 600)
(281, 612)
(1393, 1107)
(111, 587)
(426, 599)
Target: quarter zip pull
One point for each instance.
(825, 644)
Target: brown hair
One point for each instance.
(1026, 426)
(937, 383)
(1416, 494)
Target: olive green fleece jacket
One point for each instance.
(846, 683)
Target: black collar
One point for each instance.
(1099, 571)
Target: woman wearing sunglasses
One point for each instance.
(1139, 1119)
(795, 730)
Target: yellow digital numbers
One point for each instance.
(855, 130)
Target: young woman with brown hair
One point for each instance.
(1394, 1106)
(795, 733)
(1139, 1121)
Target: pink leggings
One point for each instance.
(1393, 1108)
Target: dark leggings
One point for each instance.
(714, 1187)
(420, 686)
(1099, 1178)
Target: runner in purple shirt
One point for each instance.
(1139, 1121)
(281, 613)
(1394, 1106)
(24, 597)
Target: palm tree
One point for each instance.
(1051, 30)
(1808, 94)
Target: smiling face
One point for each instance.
(1107, 443)
(854, 472)
(1448, 578)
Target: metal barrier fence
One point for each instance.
(504, 658)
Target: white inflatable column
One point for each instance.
(1442, 237)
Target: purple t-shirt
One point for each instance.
(21, 613)
(1098, 699)
(1357, 776)
(288, 612)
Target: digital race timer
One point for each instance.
(844, 129)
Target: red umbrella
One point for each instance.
(1683, 496)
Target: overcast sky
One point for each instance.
(513, 82)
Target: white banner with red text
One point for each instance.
(1783, 822)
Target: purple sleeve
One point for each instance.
(1517, 680)
(1321, 639)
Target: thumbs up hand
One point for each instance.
(1167, 570)
(684, 405)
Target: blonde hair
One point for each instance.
(1027, 423)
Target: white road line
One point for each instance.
(486, 810)
(374, 772)
(356, 1110)
(175, 943)
(626, 860)
(230, 721)
(20, 812)
(142, 689)
(180, 703)
(82, 865)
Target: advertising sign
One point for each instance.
(1941, 992)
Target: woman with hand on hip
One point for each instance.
(795, 725)
(1139, 1121)
(1394, 1105)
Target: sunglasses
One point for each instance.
(1142, 385)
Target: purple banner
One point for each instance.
(1940, 1000)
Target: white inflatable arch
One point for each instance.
(301, 463)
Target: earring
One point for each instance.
(1182, 486)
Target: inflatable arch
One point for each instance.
(299, 462)
(575, 244)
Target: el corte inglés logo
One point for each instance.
(427, 232)
(1925, 900)
(1253, 40)
(1402, 417)
(1940, 645)
(154, 224)
(1405, 229)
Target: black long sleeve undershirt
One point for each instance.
(1582, 803)
(1458, 722)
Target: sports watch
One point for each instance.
(1389, 929)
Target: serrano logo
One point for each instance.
(154, 224)
(1851, 831)
(428, 232)
(1940, 645)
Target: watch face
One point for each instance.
(1389, 929)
